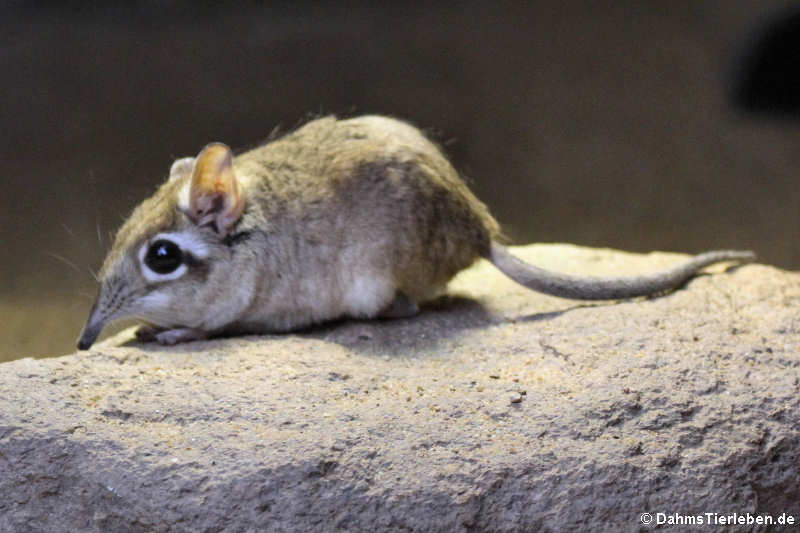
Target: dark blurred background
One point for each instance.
(628, 124)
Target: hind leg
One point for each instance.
(401, 307)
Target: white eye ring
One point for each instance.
(187, 242)
(155, 276)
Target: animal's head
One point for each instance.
(162, 265)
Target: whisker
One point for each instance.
(66, 228)
(99, 238)
(94, 274)
(64, 260)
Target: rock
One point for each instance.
(686, 403)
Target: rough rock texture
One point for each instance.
(498, 409)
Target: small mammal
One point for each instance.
(363, 217)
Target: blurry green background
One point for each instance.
(629, 124)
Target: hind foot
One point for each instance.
(401, 307)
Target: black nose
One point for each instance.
(89, 335)
(92, 328)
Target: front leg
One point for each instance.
(169, 336)
(148, 332)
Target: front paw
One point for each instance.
(148, 333)
(170, 337)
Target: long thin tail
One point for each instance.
(590, 288)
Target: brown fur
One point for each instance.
(362, 217)
(341, 218)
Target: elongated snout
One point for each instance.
(92, 328)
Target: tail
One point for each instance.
(589, 288)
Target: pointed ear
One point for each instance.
(181, 167)
(216, 197)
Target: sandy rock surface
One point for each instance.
(497, 409)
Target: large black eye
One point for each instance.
(163, 257)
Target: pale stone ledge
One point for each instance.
(497, 410)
